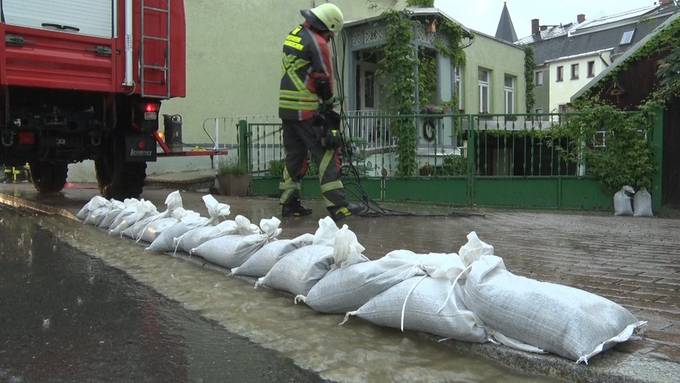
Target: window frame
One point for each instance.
(560, 74)
(591, 69)
(481, 85)
(575, 71)
(509, 91)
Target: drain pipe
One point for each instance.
(129, 80)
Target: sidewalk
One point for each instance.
(632, 261)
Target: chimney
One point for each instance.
(535, 27)
(580, 18)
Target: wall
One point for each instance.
(542, 92)
(561, 92)
(501, 58)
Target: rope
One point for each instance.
(403, 308)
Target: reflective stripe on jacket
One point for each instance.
(306, 58)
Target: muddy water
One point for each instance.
(356, 352)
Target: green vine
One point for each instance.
(627, 156)
(396, 66)
(427, 77)
(420, 3)
(529, 69)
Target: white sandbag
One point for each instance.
(142, 210)
(569, 322)
(424, 304)
(325, 234)
(165, 241)
(116, 208)
(232, 250)
(300, 270)
(264, 259)
(94, 202)
(347, 289)
(98, 213)
(622, 201)
(172, 202)
(642, 204)
(436, 265)
(198, 236)
(216, 210)
(474, 249)
(129, 209)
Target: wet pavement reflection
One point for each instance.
(67, 317)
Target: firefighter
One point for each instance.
(306, 109)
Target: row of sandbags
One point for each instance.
(468, 296)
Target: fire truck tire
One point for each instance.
(119, 179)
(49, 177)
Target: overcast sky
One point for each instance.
(483, 15)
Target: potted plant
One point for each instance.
(233, 179)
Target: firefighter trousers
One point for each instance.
(300, 138)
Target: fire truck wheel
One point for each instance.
(49, 177)
(119, 179)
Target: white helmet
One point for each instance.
(326, 16)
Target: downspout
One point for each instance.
(129, 80)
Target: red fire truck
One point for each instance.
(84, 79)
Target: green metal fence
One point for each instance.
(463, 160)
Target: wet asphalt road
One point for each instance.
(66, 317)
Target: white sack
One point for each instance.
(142, 210)
(98, 213)
(93, 203)
(436, 265)
(474, 249)
(198, 236)
(232, 250)
(165, 241)
(424, 304)
(116, 208)
(300, 270)
(325, 234)
(173, 202)
(622, 201)
(347, 289)
(129, 209)
(642, 204)
(264, 259)
(563, 320)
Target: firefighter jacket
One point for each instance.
(306, 59)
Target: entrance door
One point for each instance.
(368, 87)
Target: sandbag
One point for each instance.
(116, 208)
(172, 202)
(642, 204)
(436, 265)
(474, 249)
(165, 241)
(424, 304)
(300, 270)
(232, 250)
(129, 209)
(92, 204)
(98, 212)
(196, 237)
(566, 321)
(142, 210)
(264, 259)
(622, 201)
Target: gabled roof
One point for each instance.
(598, 35)
(623, 58)
(505, 30)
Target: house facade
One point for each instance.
(569, 56)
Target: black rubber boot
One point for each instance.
(294, 209)
(342, 212)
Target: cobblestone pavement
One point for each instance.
(632, 261)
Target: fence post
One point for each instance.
(656, 140)
(471, 152)
(243, 144)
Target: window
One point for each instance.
(509, 94)
(484, 84)
(539, 78)
(458, 86)
(591, 69)
(627, 37)
(574, 71)
(560, 73)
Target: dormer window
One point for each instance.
(627, 37)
